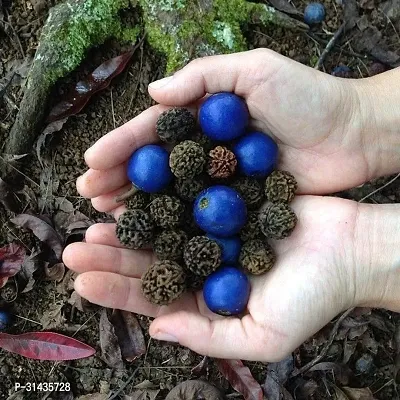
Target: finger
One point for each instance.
(114, 291)
(222, 338)
(107, 202)
(84, 257)
(116, 147)
(94, 183)
(222, 73)
(103, 234)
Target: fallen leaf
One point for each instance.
(7, 197)
(94, 396)
(348, 350)
(369, 343)
(277, 375)
(98, 80)
(45, 346)
(358, 394)
(11, 259)
(201, 368)
(20, 395)
(54, 273)
(240, 378)
(42, 140)
(143, 394)
(350, 13)
(111, 351)
(342, 371)
(77, 301)
(285, 6)
(52, 317)
(42, 230)
(29, 267)
(367, 4)
(194, 389)
(129, 333)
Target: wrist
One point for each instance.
(377, 262)
(378, 106)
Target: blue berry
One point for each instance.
(220, 210)
(257, 154)
(226, 291)
(223, 117)
(342, 71)
(148, 169)
(230, 248)
(5, 319)
(314, 13)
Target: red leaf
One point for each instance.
(98, 80)
(240, 378)
(11, 258)
(45, 346)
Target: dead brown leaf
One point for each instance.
(94, 396)
(277, 375)
(342, 371)
(358, 394)
(111, 352)
(53, 318)
(349, 348)
(285, 6)
(42, 230)
(194, 389)
(142, 394)
(129, 334)
(54, 273)
(79, 302)
(201, 368)
(25, 277)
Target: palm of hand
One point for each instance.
(314, 267)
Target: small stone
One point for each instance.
(175, 125)
(202, 256)
(280, 186)
(138, 200)
(277, 221)
(250, 190)
(135, 229)
(188, 189)
(252, 229)
(257, 257)
(167, 211)
(221, 163)
(163, 282)
(187, 159)
(169, 245)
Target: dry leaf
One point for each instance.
(277, 375)
(358, 394)
(143, 394)
(194, 389)
(53, 318)
(240, 378)
(342, 371)
(129, 334)
(79, 302)
(111, 352)
(54, 273)
(94, 396)
(42, 230)
(11, 259)
(201, 368)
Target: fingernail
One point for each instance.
(166, 337)
(161, 82)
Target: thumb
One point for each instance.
(234, 73)
(231, 338)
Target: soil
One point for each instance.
(46, 302)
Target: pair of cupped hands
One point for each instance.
(326, 139)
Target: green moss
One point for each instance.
(72, 28)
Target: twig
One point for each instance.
(325, 349)
(112, 109)
(128, 381)
(379, 188)
(330, 45)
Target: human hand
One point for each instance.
(319, 271)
